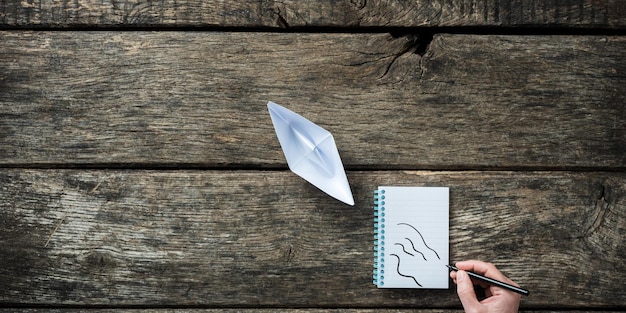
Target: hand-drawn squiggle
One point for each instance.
(403, 275)
(424, 241)
(413, 246)
(404, 250)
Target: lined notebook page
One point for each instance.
(412, 226)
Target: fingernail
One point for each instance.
(460, 276)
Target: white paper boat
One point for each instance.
(311, 152)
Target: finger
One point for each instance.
(465, 290)
(478, 267)
(453, 275)
(485, 269)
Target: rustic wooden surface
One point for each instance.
(140, 98)
(251, 238)
(66, 310)
(244, 310)
(281, 14)
(139, 170)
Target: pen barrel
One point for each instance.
(498, 283)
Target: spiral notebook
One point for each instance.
(411, 226)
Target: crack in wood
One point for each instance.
(55, 230)
(416, 44)
(289, 254)
(408, 47)
(599, 211)
(280, 20)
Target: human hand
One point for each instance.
(497, 299)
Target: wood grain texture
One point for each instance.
(324, 13)
(266, 310)
(269, 239)
(199, 99)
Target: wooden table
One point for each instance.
(139, 169)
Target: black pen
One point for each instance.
(494, 282)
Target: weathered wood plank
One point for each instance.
(287, 310)
(198, 99)
(255, 238)
(230, 310)
(379, 13)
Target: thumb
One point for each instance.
(465, 290)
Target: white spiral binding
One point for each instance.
(379, 237)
